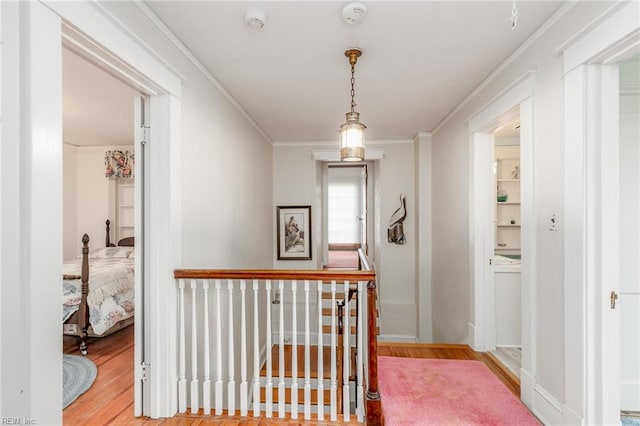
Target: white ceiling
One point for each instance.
(97, 108)
(420, 60)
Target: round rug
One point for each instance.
(78, 374)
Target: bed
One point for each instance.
(98, 290)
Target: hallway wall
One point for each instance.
(452, 296)
(297, 181)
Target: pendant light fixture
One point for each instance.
(352, 131)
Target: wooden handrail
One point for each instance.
(274, 274)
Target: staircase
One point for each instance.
(330, 318)
(319, 365)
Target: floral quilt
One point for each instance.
(111, 287)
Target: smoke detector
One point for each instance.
(353, 13)
(255, 19)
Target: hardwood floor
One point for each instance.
(110, 399)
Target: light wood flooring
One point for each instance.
(110, 399)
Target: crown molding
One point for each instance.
(155, 20)
(334, 155)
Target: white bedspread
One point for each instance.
(111, 287)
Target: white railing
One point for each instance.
(209, 320)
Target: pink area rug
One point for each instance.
(446, 392)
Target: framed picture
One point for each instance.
(294, 232)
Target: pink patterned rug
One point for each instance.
(446, 392)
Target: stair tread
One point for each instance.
(313, 355)
(287, 395)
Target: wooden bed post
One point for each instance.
(107, 242)
(83, 317)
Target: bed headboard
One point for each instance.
(124, 242)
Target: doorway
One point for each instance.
(507, 346)
(516, 103)
(346, 208)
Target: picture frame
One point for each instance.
(294, 232)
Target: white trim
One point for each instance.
(334, 155)
(192, 58)
(528, 325)
(481, 244)
(591, 121)
(90, 21)
(546, 407)
(527, 387)
(334, 143)
(619, 28)
(397, 338)
(590, 26)
(492, 114)
(516, 100)
(162, 236)
(424, 156)
(566, 7)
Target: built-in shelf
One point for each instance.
(507, 181)
(125, 217)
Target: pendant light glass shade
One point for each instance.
(352, 138)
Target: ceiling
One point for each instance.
(97, 109)
(420, 60)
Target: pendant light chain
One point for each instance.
(353, 82)
(514, 16)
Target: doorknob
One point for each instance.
(613, 297)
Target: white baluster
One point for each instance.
(194, 350)
(334, 374)
(294, 351)
(281, 384)
(231, 386)
(346, 327)
(269, 387)
(256, 352)
(307, 355)
(182, 380)
(218, 389)
(360, 352)
(206, 384)
(320, 368)
(243, 350)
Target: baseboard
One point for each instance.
(471, 337)
(397, 338)
(527, 386)
(547, 408)
(570, 417)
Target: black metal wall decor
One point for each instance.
(395, 231)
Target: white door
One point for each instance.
(629, 290)
(141, 385)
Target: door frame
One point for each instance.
(592, 341)
(517, 99)
(92, 32)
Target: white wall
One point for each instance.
(224, 160)
(87, 194)
(226, 207)
(297, 181)
(71, 243)
(451, 292)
